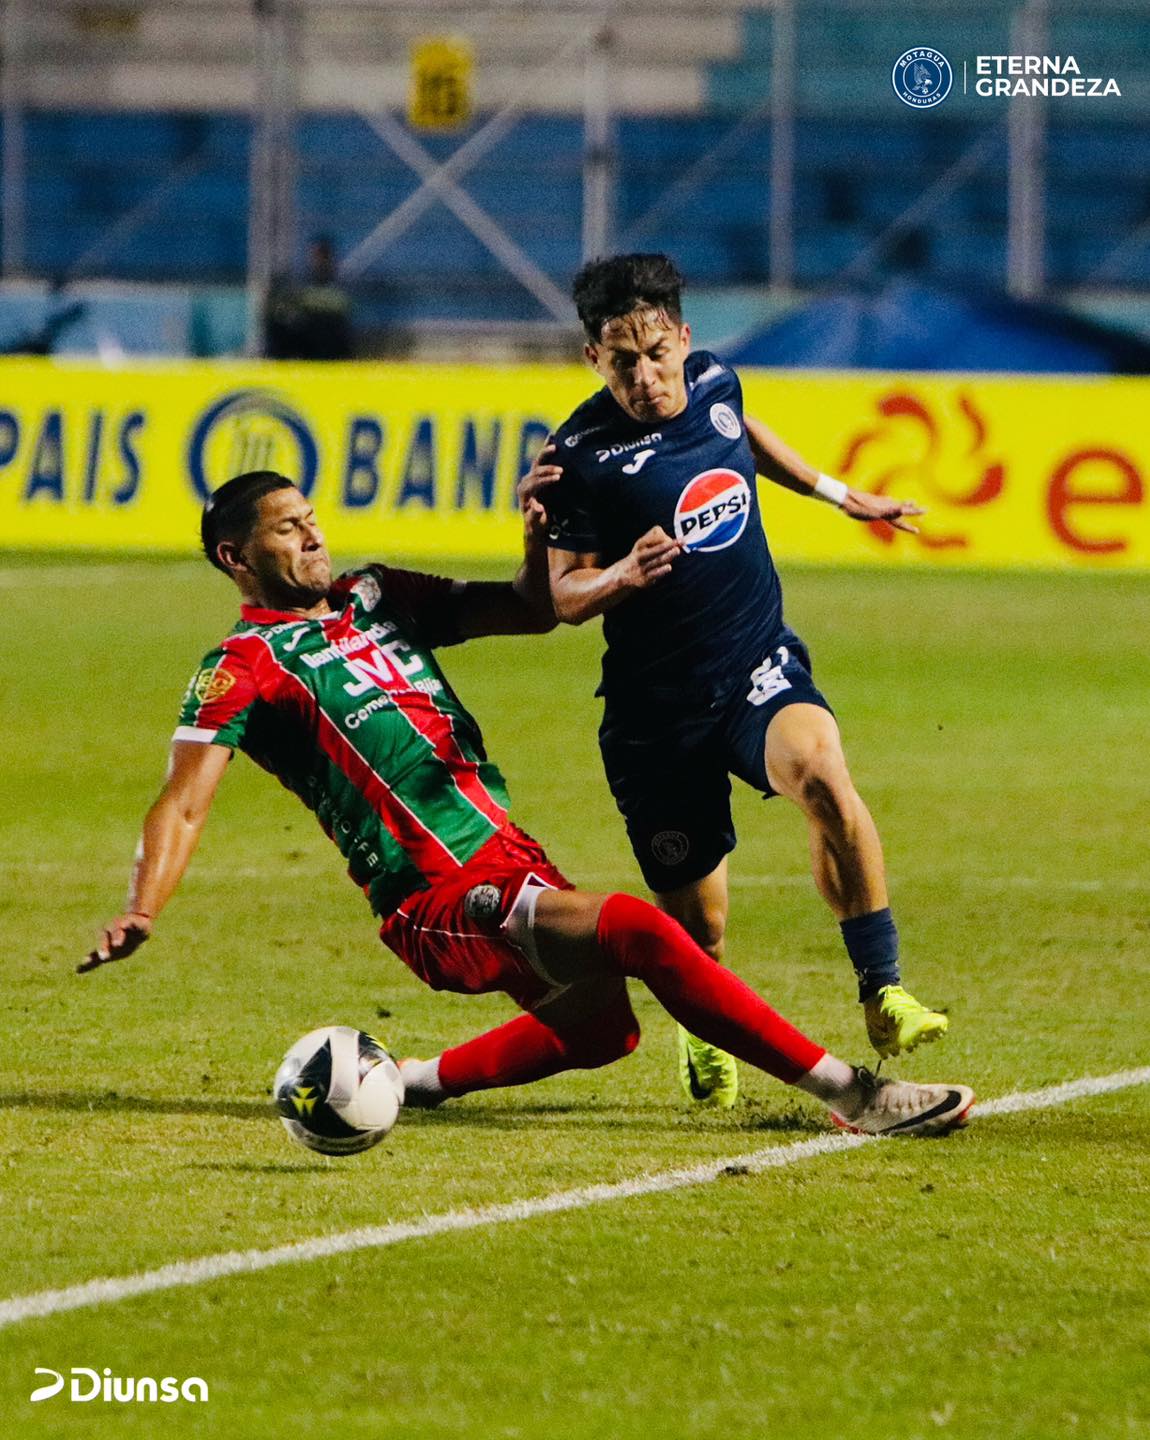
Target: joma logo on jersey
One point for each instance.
(712, 511)
(634, 466)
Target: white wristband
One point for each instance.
(833, 491)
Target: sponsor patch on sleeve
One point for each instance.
(367, 587)
(211, 685)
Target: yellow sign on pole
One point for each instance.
(440, 97)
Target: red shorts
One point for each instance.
(457, 935)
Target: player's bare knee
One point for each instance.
(703, 918)
(707, 928)
(706, 924)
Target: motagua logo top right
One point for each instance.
(922, 77)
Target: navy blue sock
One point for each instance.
(872, 944)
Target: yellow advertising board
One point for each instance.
(1012, 471)
(422, 460)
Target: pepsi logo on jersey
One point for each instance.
(712, 510)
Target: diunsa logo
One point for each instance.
(712, 510)
(119, 1389)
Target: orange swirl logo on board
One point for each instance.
(904, 454)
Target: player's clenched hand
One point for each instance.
(651, 558)
(122, 937)
(543, 472)
(861, 505)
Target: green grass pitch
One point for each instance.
(993, 1284)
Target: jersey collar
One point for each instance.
(337, 622)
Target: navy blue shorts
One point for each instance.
(669, 767)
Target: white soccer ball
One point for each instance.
(338, 1091)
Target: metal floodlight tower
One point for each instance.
(782, 192)
(1026, 181)
(13, 166)
(272, 205)
(598, 146)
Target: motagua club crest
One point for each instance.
(922, 78)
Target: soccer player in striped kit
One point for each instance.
(655, 525)
(333, 686)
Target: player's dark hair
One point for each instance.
(605, 289)
(230, 512)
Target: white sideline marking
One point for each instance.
(247, 1262)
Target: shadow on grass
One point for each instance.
(111, 1100)
(635, 1119)
(251, 1167)
(658, 1119)
(779, 1122)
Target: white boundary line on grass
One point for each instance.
(247, 1262)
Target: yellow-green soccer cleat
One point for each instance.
(708, 1075)
(895, 1021)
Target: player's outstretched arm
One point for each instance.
(172, 828)
(522, 607)
(582, 587)
(775, 460)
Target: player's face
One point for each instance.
(285, 554)
(641, 356)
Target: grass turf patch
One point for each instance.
(992, 724)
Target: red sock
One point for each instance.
(712, 1002)
(525, 1049)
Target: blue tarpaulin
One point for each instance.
(908, 326)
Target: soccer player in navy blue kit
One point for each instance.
(655, 525)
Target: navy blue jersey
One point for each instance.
(700, 629)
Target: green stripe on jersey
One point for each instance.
(353, 714)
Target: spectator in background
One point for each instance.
(311, 321)
(60, 315)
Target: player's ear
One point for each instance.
(231, 556)
(591, 355)
(685, 336)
